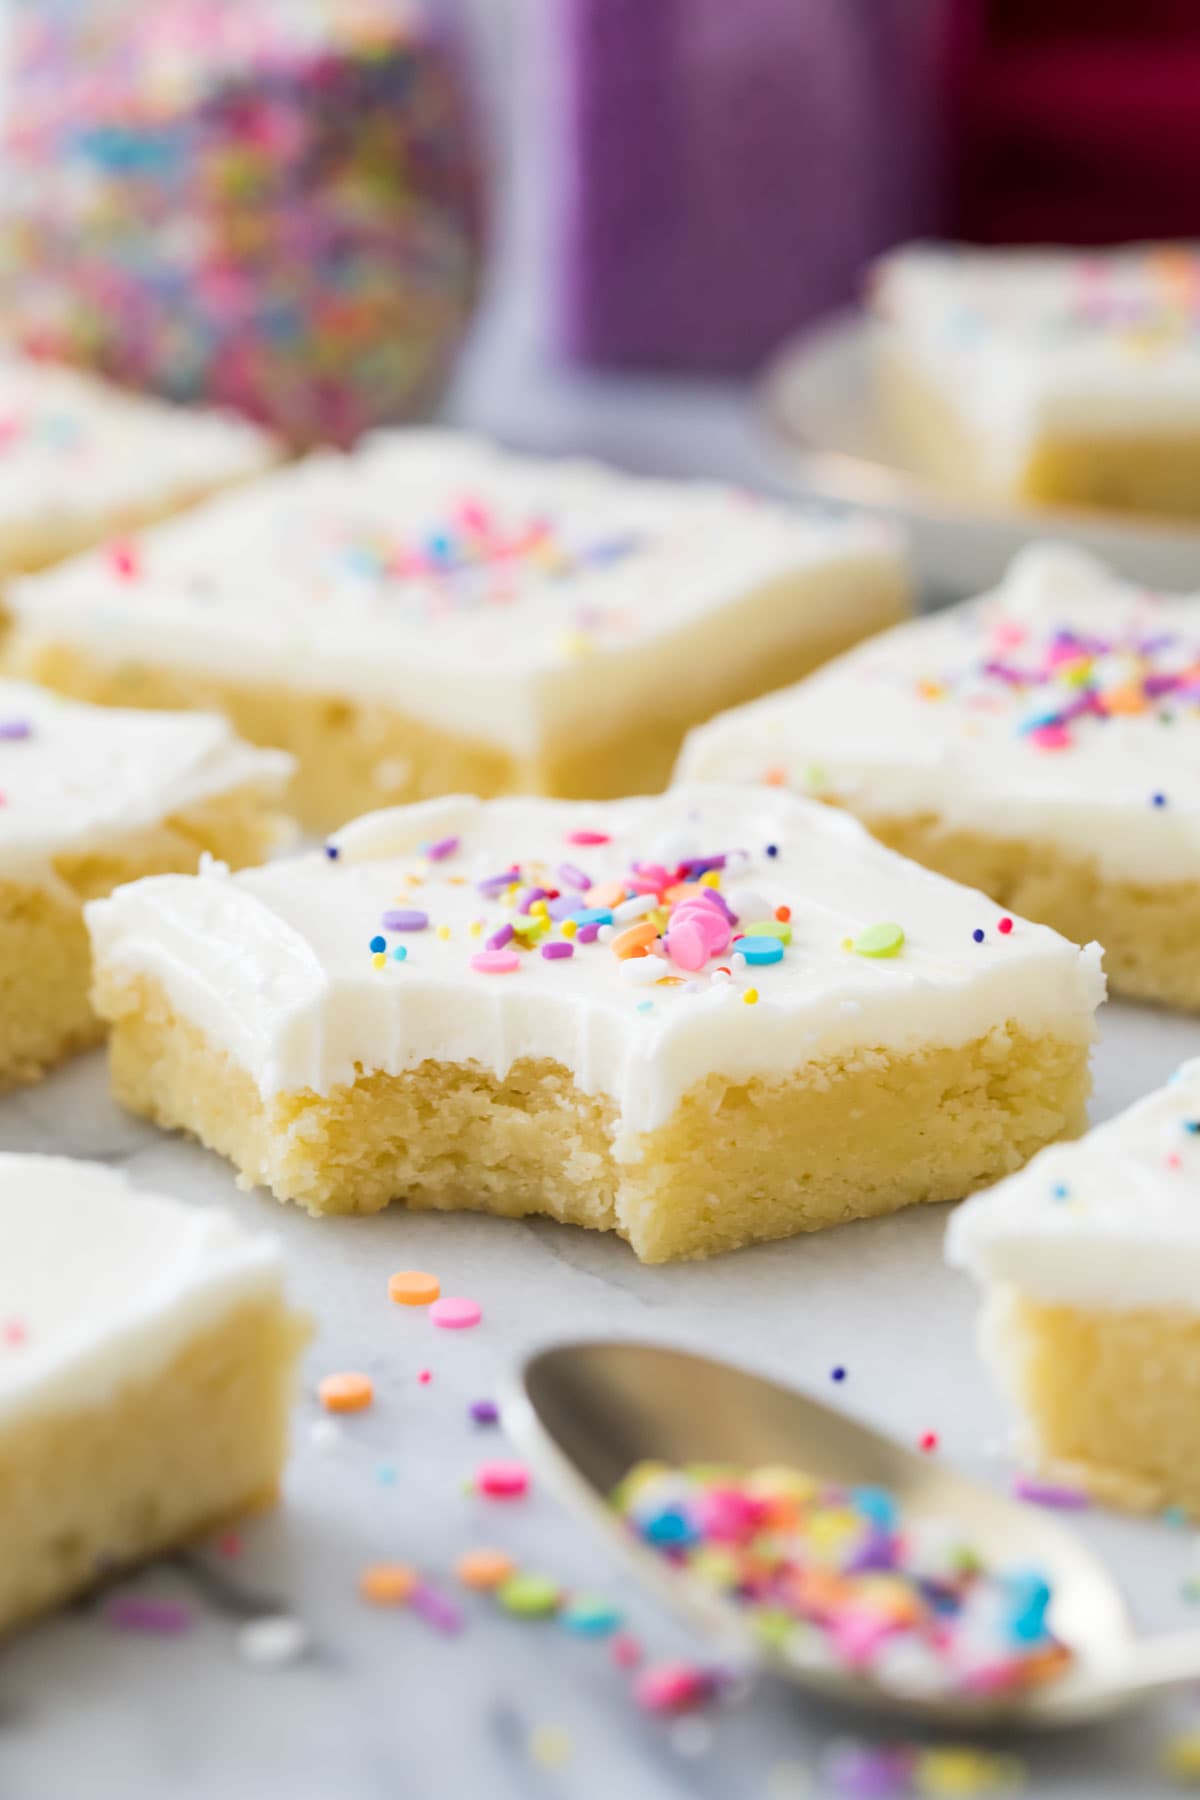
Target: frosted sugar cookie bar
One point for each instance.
(81, 462)
(1047, 375)
(1042, 744)
(1090, 1265)
(91, 797)
(432, 616)
(146, 1371)
(700, 1020)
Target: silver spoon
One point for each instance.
(585, 1413)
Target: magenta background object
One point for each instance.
(726, 167)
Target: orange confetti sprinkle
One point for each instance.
(387, 1584)
(413, 1287)
(484, 1568)
(635, 940)
(346, 1393)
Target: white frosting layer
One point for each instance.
(101, 1285)
(74, 777)
(1062, 709)
(74, 451)
(1109, 1222)
(503, 599)
(1028, 342)
(276, 968)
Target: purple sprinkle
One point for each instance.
(491, 885)
(485, 1412)
(500, 937)
(696, 866)
(563, 907)
(405, 918)
(556, 951)
(12, 729)
(528, 896)
(138, 1612)
(587, 934)
(436, 1610)
(572, 877)
(443, 848)
(1048, 1493)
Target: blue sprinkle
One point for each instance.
(757, 950)
(378, 944)
(645, 1006)
(838, 1374)
(978, 935)
(593, 915)
(670, 1527)
(772, 849)
(1158, 799)
(875, 1504)
(331, 851)
(1060, 1190)
(400, 952)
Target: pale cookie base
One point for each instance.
(1158, 473)
(1150, 932)
(45, 957)
(357, 755)
(739, 1162)
(88, 1490)
(1110, 1400)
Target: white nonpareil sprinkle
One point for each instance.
(273, 1642)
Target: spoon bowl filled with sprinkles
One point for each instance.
(828, 1555)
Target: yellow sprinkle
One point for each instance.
(568, 928)
(847, 943)
(541, 909)
(712, 878)
(550, 1745)
(443, 931)
(379, 958)
(1181, 1757)
(476, 927)
(750, 996)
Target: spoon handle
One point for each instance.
(1163, 1661)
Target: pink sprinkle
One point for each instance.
(670, 1687)
(157, 1618)
(502, 1480)
(14, 1332)
(1004, 927)
(1051, 737)
(230, 1544)
(686, 945)
(443, 848)
(495, 962)
(557, 950)
(123, 559)
(455, 1314)
(584, 838)
(625, 1650)
(1174, 1161)
(424, 1376)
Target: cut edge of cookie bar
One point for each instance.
(1109, 1400)
(1150, 931)
(90, 1489)
(1123, 472)
(45, 956)
(739, 1162)
(356, 755)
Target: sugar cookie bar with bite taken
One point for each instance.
(1089, 1262)
(431, 615)
(698, 1020)
(1053, 376)
(1041, 743)
(82, 462)
(147, 1362)
(91, 797)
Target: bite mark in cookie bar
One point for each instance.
(146, 1374)
(1054, 376)
(1042, 744)
(90, 798)
(81, 461)
(699, 1021)
(430, 615)
(1090, 1265)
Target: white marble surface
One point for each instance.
(383, 1706)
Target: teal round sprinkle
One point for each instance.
(400, 952)
(590, 1615)
(378, 944)
(759, 949)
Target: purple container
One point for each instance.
(728, 167)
